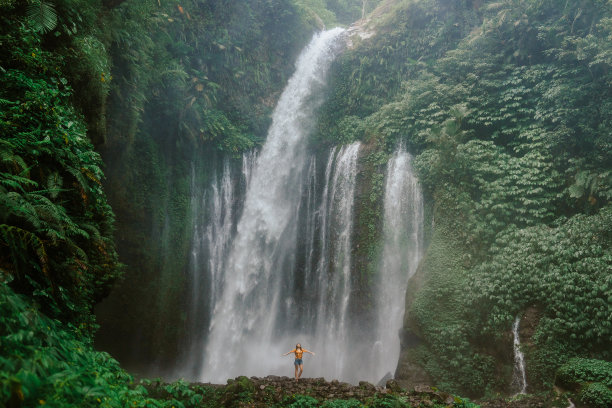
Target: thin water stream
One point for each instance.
(519, 377)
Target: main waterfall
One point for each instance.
(272, 255)
(245, 329)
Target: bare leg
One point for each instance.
(296, 372)
(301, 370)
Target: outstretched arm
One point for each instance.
(308, 351)
(289, 352)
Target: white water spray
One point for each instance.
(213, 214)
(519, 377)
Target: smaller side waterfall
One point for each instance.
(333, 273)
(246, 319)
(519, 378)
(214, 212)
(402, 252)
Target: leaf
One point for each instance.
(576, 191)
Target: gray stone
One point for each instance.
(393, 386)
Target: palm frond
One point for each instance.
(42, 14)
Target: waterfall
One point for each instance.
(272, 264)
(402, 251)
(245, 331)
(519, 378)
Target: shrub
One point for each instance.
(596, 395)
(338, 403)
(303, 401)
(580, 370)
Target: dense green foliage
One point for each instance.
(596, 395)
(580, 370)
(55, 225)
(563, 270)
(44, 363)
(505, 105)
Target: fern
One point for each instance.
(14, 182)
(9, 158)
(42, 14)
(19, 242)
(13, 204)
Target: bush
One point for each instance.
(338, 403)
(596, 395)
(581, 370)
(42, 362)
(56, 226)
(303, 401)
(386, 401)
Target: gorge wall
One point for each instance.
(500, 110)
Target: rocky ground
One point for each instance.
(280, 387)
(273, 391)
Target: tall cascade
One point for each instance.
(402, 251)
(519, 378)
(246, 330)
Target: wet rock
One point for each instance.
(257, 392)
(384, 380)
(367, 386)
(393, 386)
(423, 389)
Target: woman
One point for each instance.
(298, 350)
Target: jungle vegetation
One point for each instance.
(506, 105)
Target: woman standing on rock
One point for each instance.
(298, 350)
